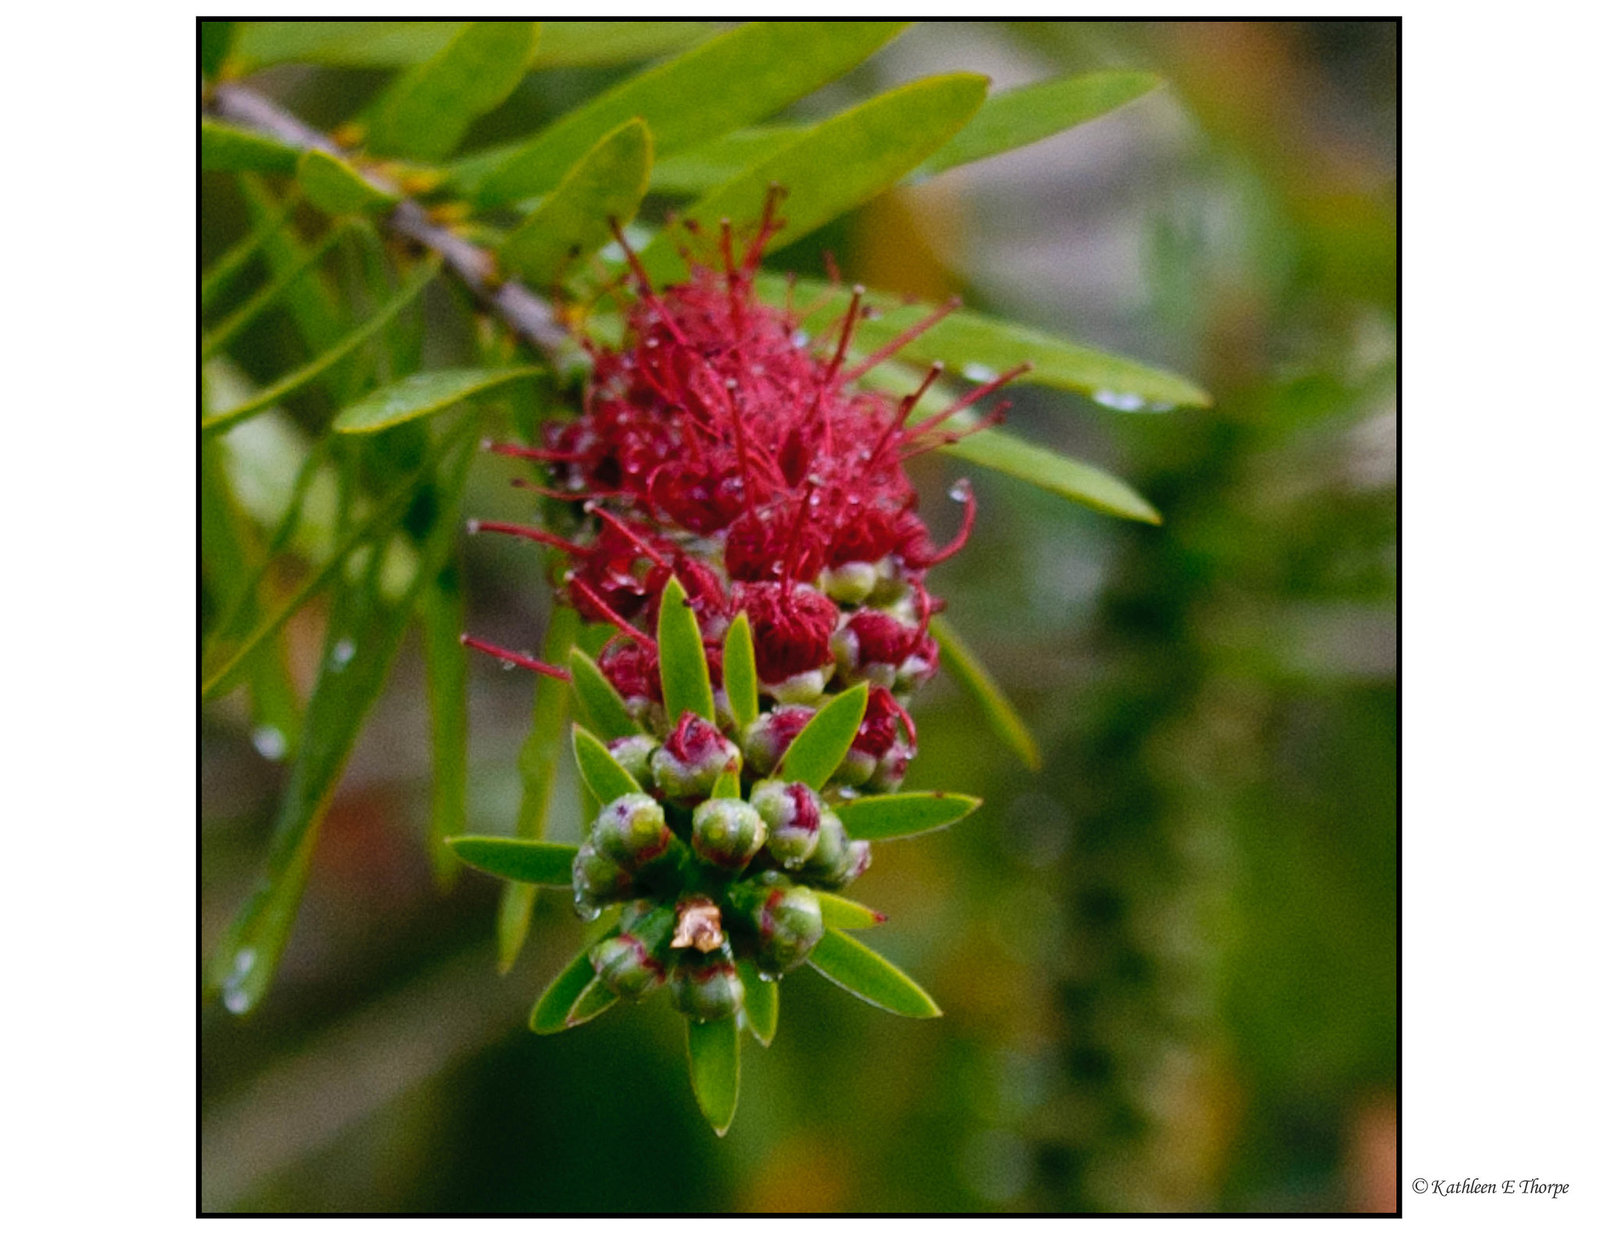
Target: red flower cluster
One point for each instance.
(723, 446)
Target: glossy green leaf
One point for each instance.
(739, 671)
(835, 167)
(266, 297)
(336, 188)
(536, 764)
(876, 980)
(819, 748)
(364, 634)
(714, 1069)
(562, 999)
(426, 113)
(221, 273)
(979, 348)
(574, 220)
(443, 613)
(422, 395)
(842, 913)
(722, 84)
(591, 1003)
(727, 785)
(616, 42)
(601, 772)
(1069, 478)
(1019, 117)
(685, 677)
(963, 665)
(314, 369)
(760, 1003)
(712, 163)
(608, 716)
(224, 148)
(877, 818)
(517, 859)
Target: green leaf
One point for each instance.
(840, 912)
(314, 369)
(714, 1069)
(880, 817)
(685, 677)
(836, 166)
(722, 84)
(226, 149)
(818, 749)
(562, 998)
(739, 671)
(223, 270)
(1024, 115)
(318, 316)
(760, 1003)
(727, 785)
(601, 772)
(591, 1003)
(536, 763)
(721, 159)
(336, 188)
(426, 113)
(364, 633)
(876, 980)
(443, 614)
(1002, 716)
(615, 42)
(215, 37)
(574, 219)
(608, 715)
(517, 859)
(1069, 478)
(263, 299)
(421, 395)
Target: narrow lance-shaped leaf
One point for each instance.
(426, 113)
(615, 42)
(819, 748)
(443, 613)
(880, 817)
(838, 912)
(685, 677)
(422, 395)
(568, 991)
(739, 671)
(760, 1003)
(1068, 478)
(876, 980)
(734, 79)
(517, 859)
(608, 716)
(704, 167)
(604, 188)
(336, 188)
(963, 665)
(727, 785)
(224, 148)
(835, 167)
(264, 298)
(1019, 117)
(714, 1069)
(222, 272)
(536, 763)
(601, 772)
(314, 369)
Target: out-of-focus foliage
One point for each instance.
(1166, 961)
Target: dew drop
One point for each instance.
(800, 339)
(343, 651)
(767, 978)
(1121, 401)
(236, 1000)
(974, 372)
(961, 491)
(269, 741)
(473, 526)
(507, 664)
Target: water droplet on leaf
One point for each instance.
(269, 741)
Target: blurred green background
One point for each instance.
(1167, 962)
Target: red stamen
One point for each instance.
(973, 396)
(644, 546)
(902, 339)
(516, 659)
(611, 616)
(531, 534)
(970, 502)
(544, 454)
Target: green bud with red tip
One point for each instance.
(631, 831)
(768, 737)
(632, 963)
(597, 879)
(706, 986)
(633, 753)
(837, 860)
(793, 813)
(688, 764)
(728, 832)
(784, 919)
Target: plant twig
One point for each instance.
(525, 312)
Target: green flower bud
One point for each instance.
(768, 737)
(706, 987)
(688, 764)
(632, 962)
(631, 831)
(851, 583)
(785, 920)
(633, 753)
(728, 832)
(597, 880)
(837, 860)
(792, 813)
(891, 769)
(803, 688)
